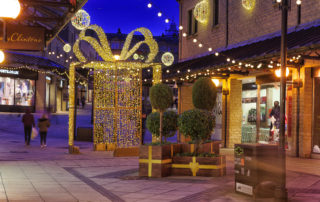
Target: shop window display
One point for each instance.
(24, 92)
(6, 91)
(269, 93)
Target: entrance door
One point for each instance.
(316, 122)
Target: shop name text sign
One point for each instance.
(5, 71)
(23, 38)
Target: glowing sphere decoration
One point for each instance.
(81, 20)
(201, 11)
(135, 56)
(167, 59)
(248, 4)
(67, 48)
(1, 56)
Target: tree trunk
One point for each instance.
(161, 119)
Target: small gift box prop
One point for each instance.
(210, 147)
(155, 161)
(117, 88)
(199, 166)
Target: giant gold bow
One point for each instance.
(103, 49)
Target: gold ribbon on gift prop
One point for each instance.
(103, 49)
(195, 166)
(151, 161)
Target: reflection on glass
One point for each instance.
(24, 92)
(6, 91)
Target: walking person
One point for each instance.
(28, 122)
(83, 101)
(43, 125)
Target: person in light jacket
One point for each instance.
(43, 125)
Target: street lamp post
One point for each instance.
(281, 193)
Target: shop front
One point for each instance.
(17, 90)
(263, 125)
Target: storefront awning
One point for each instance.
(300, 39)
(14, 58)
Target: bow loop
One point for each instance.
(103, 49)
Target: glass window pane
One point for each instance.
(24, 92)
(6, 91)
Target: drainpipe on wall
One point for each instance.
(298, 114)
(225, 92)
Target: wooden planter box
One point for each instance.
(210, 147)
(199, 166)
(100, 147)
(155, 161)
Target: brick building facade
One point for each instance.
(248, 43)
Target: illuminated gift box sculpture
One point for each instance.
(117, 89)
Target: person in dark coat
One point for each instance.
(275, 112)
(28, 122)
(43, 125)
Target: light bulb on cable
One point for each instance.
(298, 2)
(167, 20)
(159, 14)
(180, 27)
(149, 5)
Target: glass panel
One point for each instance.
(6, 91)
(24, 92)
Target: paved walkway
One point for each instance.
(29, 173)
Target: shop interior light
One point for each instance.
(1, 56)
(216, 82)
(278, 72)
(9, 9)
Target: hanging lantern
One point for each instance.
(81, 20)
(167, 59)
(201, 11)
(248, 4)
(67, 48)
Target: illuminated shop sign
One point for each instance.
(5, 71)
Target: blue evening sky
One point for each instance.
(131, 14)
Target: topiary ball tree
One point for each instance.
(204, 94)
(161, 98)
(196, 124)
(170, 123)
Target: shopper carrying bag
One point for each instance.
(43, 125)
(34, 133)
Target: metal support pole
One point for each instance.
(281, 193)
(298, 114)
